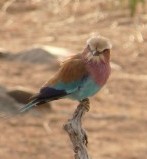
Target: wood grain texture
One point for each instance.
(76, 133)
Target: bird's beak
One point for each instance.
(96, 53)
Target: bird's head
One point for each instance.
(97, 48)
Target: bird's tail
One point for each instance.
(45, 95)
(23, 109)
(28, 106)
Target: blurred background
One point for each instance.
(33, 35)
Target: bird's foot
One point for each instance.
(85, 102)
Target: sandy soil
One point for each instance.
(117, 121)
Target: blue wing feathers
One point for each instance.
(71, 86)
(48, 93)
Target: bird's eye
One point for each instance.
(105, 50)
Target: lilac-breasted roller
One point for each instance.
(79, 77)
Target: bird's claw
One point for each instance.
(85, 102)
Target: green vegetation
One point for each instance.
(133, 5)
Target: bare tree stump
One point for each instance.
(75, 131)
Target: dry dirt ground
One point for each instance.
(117, 121)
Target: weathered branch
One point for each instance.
(75, 131)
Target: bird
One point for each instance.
(79, 77)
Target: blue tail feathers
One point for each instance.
(46, 94)
(28, 106)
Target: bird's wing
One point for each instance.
(67, 80)
(70, 76)
(72, 69)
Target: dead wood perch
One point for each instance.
(75, 131)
